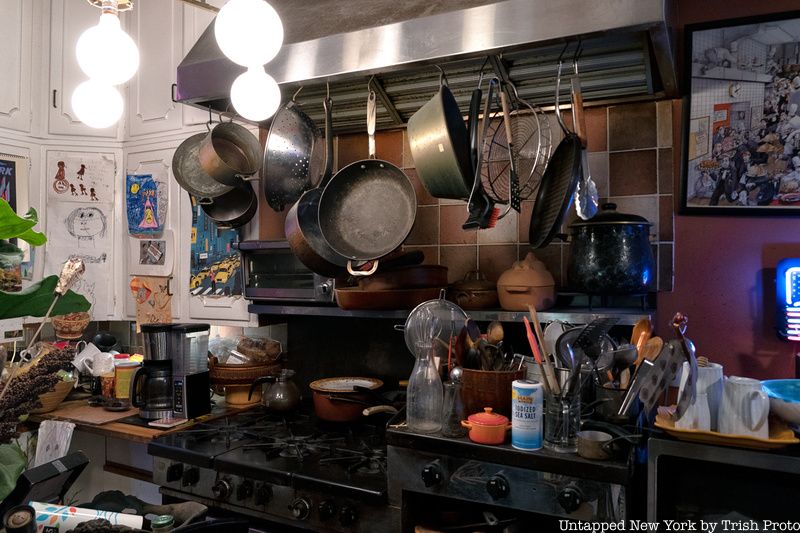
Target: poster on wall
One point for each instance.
(215, 266)
(143, 205)
(744, 104)
(8, 182)
(78, 177)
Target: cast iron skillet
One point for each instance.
(558, 183)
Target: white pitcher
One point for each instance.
(744, 409)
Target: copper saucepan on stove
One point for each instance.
(343, 399)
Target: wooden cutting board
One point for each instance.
(80, 411)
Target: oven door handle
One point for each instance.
(469, 528)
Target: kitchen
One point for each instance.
(634, 156)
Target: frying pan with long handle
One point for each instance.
(302, 224)
(558, 183)
(367, 209)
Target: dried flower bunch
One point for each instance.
(23, 391)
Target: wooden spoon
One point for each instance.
(653, 348)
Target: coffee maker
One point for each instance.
(151, 384)
(191, 383)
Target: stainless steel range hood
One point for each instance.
(627, 53)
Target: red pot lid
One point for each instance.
(488, 418)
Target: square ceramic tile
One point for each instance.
(389, 146)
(550, 255)
(459, 260)
(666, 174)
(664, 117)
(632, 126)
(645, 206)
(506, 230)
(598, 167)
(426, 226)
(494, 259)
(431, 253)
(665, 217)
(597, 129)
(270, 226)
(408, 161)
(351, 147)
(666, 268)
(524, 221)
(423, 196)
(452, 218)
(632, 173)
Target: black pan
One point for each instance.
(558, 184)
(234, 208)
(302, 222)
(367, 209)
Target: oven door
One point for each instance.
(273, 273)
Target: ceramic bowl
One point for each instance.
(784, 398)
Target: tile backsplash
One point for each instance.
(630, 158)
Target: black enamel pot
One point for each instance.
(611, 254)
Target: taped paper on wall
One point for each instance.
(77, 177)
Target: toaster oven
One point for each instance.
(272, 272)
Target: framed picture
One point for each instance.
(742, 121)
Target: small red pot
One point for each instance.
(487, 427)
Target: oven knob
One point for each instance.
(497, 487)
(221, 489)
(263, 494)
(190, 476)
(174, 472)
(244, 490)
(570, 498)
(432, 475)
(327, 509)
(300, 508)
(347, 516)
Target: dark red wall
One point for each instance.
(725, 266)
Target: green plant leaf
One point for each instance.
(14, 226)
(36, 299)
(12, 465)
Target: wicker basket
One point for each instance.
(51, 400)
(239, 374)
(71, 326)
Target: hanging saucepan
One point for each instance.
(293, 157)
(440, 146)
(190, 174)
(229, 153)
(234, 208)
(302, 223)
(367, 209)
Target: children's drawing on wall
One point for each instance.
(215, 268)
(152, 252)
(144, 205)
(84, 230)
(153, 300)
(744, 136)
(80, 177)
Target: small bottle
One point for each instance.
(162, 523)
(453, 411)
(424, 397)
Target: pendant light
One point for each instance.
(250, 33)
(108, 56)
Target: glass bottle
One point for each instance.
(453, 411)
(424, 397)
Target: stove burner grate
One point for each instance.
(364, 460)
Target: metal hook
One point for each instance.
(483, 66)
(442, 76)
(563, 51)
(294, 96)
(369, 83)
(577, 55)
(328, 90)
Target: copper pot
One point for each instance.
(474, 292)
(229, 152)
(337, 400)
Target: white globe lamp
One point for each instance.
(249, 32)
(105, 52)
(96, 104)
(255, 94)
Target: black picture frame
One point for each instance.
(741, 117)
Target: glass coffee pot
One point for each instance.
(282, 395)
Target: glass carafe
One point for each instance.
(453, 412)
(424, 402)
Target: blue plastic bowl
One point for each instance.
(784, 398)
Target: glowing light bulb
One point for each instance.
(255, 94)
(249, 32)
(106, 53)
(96, 104)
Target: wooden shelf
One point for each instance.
(627, 316)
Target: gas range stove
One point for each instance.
(293, 470)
